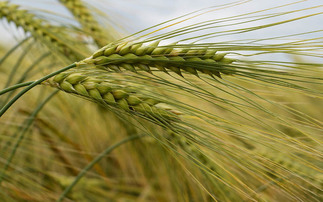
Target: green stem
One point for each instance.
(24, 75)
(28, 123)
(14, 87)
(35, 83)
(90, 165)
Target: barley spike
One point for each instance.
(103, 91)
(165, 58)
(83, 15)
(39, 28)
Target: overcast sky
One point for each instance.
(139, 14)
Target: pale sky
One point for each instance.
(139, 14)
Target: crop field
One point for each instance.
(221, 103)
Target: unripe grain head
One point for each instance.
(142, 57)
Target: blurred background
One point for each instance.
(134, 15)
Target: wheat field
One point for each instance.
(222, 103)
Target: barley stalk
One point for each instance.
(138, 56)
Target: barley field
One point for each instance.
(220, 103)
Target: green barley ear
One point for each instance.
(40, 29)
(90, 25)
(146, 57)
(89, 83)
